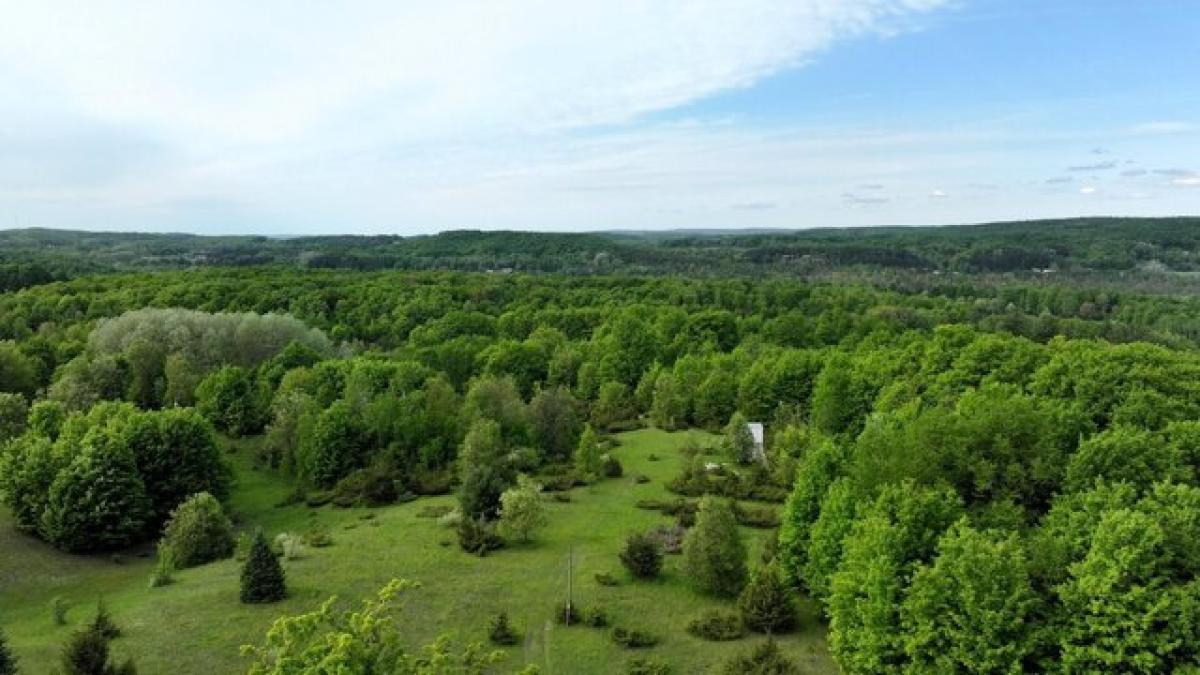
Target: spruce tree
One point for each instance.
(713, 553)
(766, 604)
(8, 661)
(103, 623)
(262, 576)
(87, 654)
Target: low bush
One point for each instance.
(317, 537)
(595, 616)
(717, 625)
(501, 632)
(478, 537)
(669, 538)
(611, 467)
(164, 567)
(318, 499)
(639, 665)
(633, 639)
(765, 658)
(434, 510)
(58, 610)
(762, 517)
(641, 479)
(606, 579)
(199, 532)
(567, 614)
(365, 487)
(430, 482)
(642, 556)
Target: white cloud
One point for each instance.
(233, 72)
(1087, 190)
(938, 194)
(1164, 127)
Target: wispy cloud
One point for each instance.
(1098, 166)
(1165, 127)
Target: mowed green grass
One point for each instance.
(196, 625)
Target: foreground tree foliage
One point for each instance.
(360, 641)
(973, 609)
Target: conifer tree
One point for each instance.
(262, 576)
(766, 604)
(713, 553)
(8, 660)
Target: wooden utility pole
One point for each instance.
(570, 564)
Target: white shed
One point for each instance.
(759, 453)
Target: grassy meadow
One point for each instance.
(196, 624)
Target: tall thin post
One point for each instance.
(570, 564)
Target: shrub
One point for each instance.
(8, 660)
(286, 546)
(766, 603)
(595, 616)
(606, 579)
(669, 538)
(164, 567)
(317, 537)
(646, 666)
(763, 517)
(262, 576)
(567, 614)
(478, 536)
(764, 659)
(103, 623)
(58, 610)
(716, 625)
(641, 479)
(318, 498)
(434, 510)
(610, 466)
(365, 487)
(501, 632)
(199, 532)
(241, 550)
(642, 556)
(87, 654)
(633, 639)
(451, 519)
(431, 482)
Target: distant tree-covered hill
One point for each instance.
(1161, 249)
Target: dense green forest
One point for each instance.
(981, 474)
(1151, 251)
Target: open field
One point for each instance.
(197, 624)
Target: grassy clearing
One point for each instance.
(196, 624)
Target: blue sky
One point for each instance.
(298, 116)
